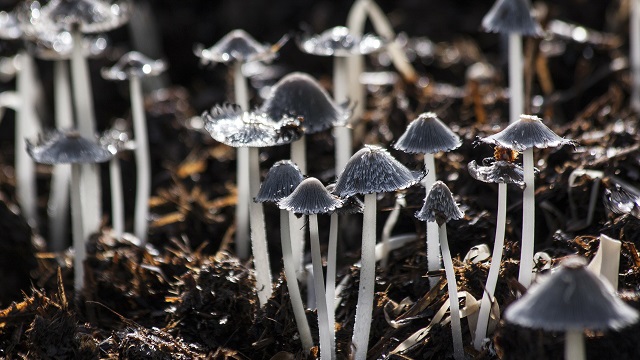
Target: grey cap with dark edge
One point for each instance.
(498, 172)
(237, 46)
(283, 177)
(338, 41)
(511, 17)
(91, 16)
(300, 95)
(439, 205)
(571, 298)
(526, 133)
(373, 170)
(135, 64)
(427, 135)
(310, 198)
(68, 148)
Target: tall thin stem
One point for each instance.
(117, 197)
(76, 223)
(452, 286)
(516, 78)
(242, 165)
(143, 160)
(433, 244)
(494, 270)
(387, 229)
(574, 347)
(364, 309)
(326, 352)
(340, 95)
(332, 254)
(355, 22)
(292, 284)
(528, 220)
(299, 154)
(258, 232)
(297, 235)
(634, 43)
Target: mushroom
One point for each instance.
(513, 17)
(238, 48)
(312, 198)
(283, 177)
(440, 207)
(72, 148)
(341, 44)
(370, 171)
(234, 127)
(503, 173)
(571, 299)
(428, 135)
(522, 136)
(133, 66)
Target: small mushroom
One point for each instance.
(571, 299)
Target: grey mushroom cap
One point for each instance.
(90, 16)
(9, 26)
(620, 201)
(283, 177)
(68, 148)
(238, 46)
(439, 205)
(133, 64)
(300, 95)
(526, 133)
(511, 17)
(498, 172)
(310, 198)
(571, 298)
(338, 41)
(232, 126)
(427, 135)
(373, 170)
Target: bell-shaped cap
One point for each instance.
(620, 201)
(133, 64)
(90, 16)
(10, 28)
(373, 170)
(338, 41)
(498, 172)
(68, 148)
(300, 95)
(439, 205)
(571, 298)
(283, 177)
(427, 135)
(232, 126)
(511, 17)
(239, 46)
(526, 133)
(309, 198)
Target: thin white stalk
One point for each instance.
(58, 206)
(634, 43)
(516, 78)
(292, 284)
(494, 270)
(433, 243)
(258, 232)
(326, 352)
(299, 154)
(355, 22)
(364, 308)
(606, 262)
(340, 95)
(117, 197)
(76, 224)
(452, 286)
(528, 220)
(387, 229)
(143, 160)
(332, 255)
(574, 347)
(297, 243)
(26, 128)
(311, 291)
(242, 165)
(86, 124)
(9, 100)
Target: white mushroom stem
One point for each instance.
(299, 154)
(574, 347)
(494, 270)
(258, 232)
(355, 22)
(388, 228)
(433, 243)
(117, 197)
(242, 170)
(9, 100)
(342, 133)
(26, 128)
(77, 209)
(326, 352)
(606, 262)
(452, 286)
(332, 255)
(364, 308)
(86, 124)
(634, 43)
(292, 284)
(516, 78)
(297, 235)
(143, 160)
(58, 206)
(528, 218)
